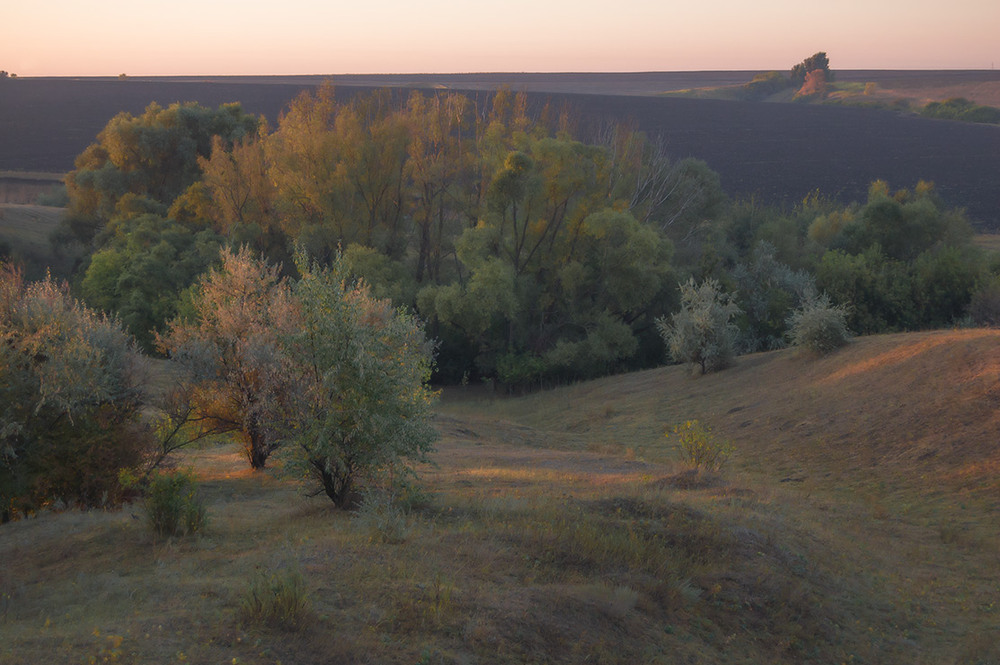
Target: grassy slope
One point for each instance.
(25, 229)
(856, 522)
(28, 226)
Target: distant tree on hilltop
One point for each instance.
(817, 61)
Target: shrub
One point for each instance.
(984, 308)
(236, 376)
(702, 332)
(56, 197)
(173, 506)
(959, 108)
(765, 84)
(382, 518)
(819, 325)
(699, 447)
(70, 399)
(276, 599)
(768, 289)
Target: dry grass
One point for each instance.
(33, 175)
(29, 226)
(25, 230)
(854, 523)
(986, 93)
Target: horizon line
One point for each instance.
(126, 75)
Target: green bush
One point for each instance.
(276, 599)
(699, 447)
(819, 325)
(70, 401)
(173, 506)
(55, 196)
(984, 308)
(765, 84)
(959, 108)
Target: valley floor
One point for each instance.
(855, 522)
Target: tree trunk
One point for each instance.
(338, 486)
(258, 449)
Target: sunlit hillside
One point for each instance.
(855, 522)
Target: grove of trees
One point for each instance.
(307, 281)
(320, 367)
(533, 248)
(531, 254)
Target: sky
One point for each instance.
(326, 37)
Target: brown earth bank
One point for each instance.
(776, 153)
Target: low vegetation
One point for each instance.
(172, 504)
(71, 386)
(819, 326)
(958, 108)
(24, 238)
(702, 332)
(699, 447)
(275, 599)
(563, 527)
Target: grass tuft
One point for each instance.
(276, 599)
(381, 518)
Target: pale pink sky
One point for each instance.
(217, 37)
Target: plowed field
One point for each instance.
(777, 153)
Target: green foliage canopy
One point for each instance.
(361, 367)
(153, 156)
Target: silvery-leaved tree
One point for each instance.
(235, 375)
(702, 332)
(363, 405)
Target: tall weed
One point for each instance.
(699, 447)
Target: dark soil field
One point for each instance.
(776, 153)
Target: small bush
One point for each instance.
(276, 599)
(699, 447)
(984, 307)
(765, 84)
(819, 325)
(959, 108)
(56, 197)
(173, 507)
(381, 518)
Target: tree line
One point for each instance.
(530, 253)
(533, 250)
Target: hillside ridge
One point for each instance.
(905, 406)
